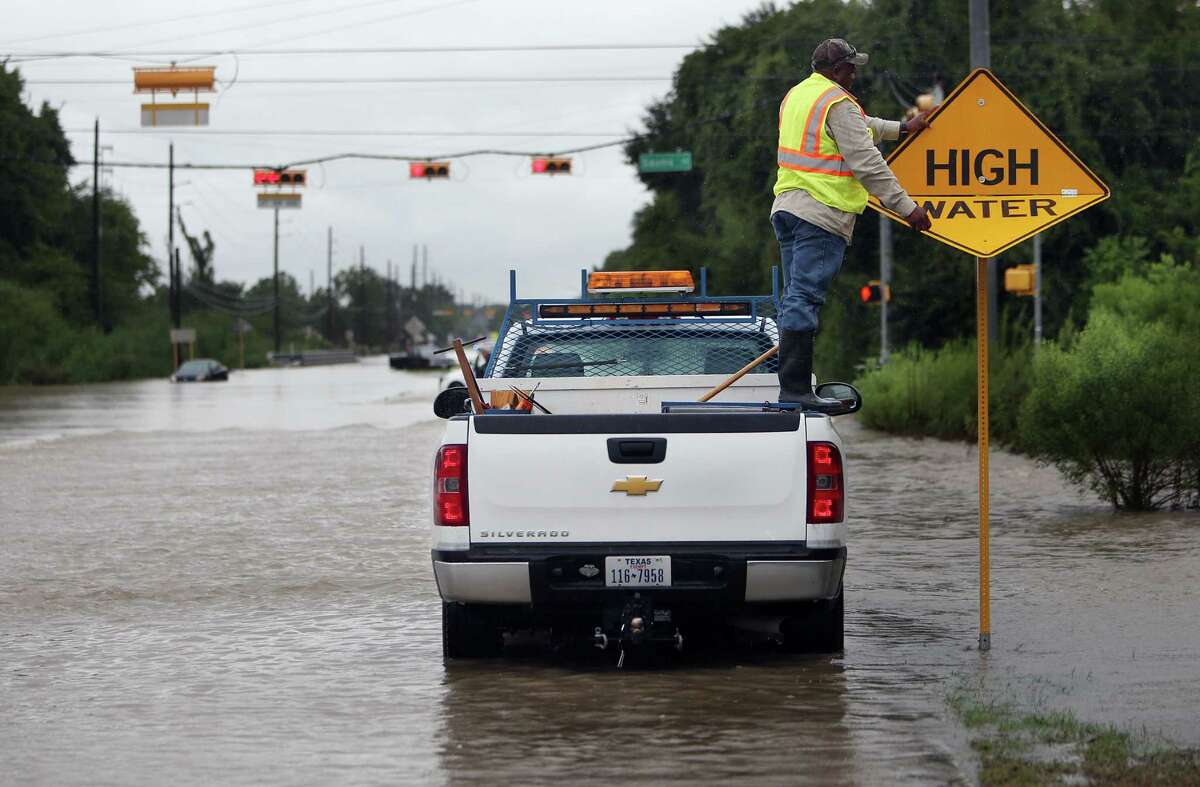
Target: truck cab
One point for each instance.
(622, 510)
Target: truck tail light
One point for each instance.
(450, 486)
(826, 493)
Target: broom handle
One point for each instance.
(740, 373)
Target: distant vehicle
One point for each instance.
(200, 370)
(421, 357)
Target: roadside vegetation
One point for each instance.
(1113, 406)
(1017, 747)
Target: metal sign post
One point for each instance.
(981, 359)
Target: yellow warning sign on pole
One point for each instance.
(988, 172)
(990, 175)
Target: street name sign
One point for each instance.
(279, 199)
(680, 161)
(988, 172)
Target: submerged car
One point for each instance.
(200, 370)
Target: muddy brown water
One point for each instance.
(230, 583)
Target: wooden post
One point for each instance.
(469, 377)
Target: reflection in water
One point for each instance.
(231, 583)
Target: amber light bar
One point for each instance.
(731, 308)
(644, 281)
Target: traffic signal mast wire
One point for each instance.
(367, 157)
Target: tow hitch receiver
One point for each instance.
(639, 624)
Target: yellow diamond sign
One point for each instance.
(988, 172)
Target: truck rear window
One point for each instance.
(634, 351)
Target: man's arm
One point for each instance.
(883, 130)
(855, 140)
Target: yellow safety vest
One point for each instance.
(809, 158)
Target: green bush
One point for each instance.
(1118, 412)
(934, 392)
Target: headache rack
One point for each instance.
(636, 332)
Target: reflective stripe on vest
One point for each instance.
(807, 156)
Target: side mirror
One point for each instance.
(845, 393)
(451, 402)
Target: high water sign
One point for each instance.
(988, 172)
(990, 175)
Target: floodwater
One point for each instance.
(230, 583)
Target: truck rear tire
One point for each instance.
(469, 632)
(817, 627)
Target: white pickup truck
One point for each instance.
(630, 514)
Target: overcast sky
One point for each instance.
(492, 217)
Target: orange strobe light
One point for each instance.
(645, 281)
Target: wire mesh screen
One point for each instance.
(631, 347)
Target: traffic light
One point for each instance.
(429, 169)
(1021, 280)
(276, 177)
(875, 292)
(549, 165)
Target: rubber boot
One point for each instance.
(795, 373)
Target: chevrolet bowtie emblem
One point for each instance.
(636, 485)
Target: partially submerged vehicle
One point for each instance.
(200, 370)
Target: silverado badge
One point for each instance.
(637, 485)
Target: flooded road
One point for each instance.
(230, 583)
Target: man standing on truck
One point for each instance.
(828, 164)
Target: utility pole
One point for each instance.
(362, 288)
(97, 296)
(329, 280)
(178, 289)
(885, 281)
(389, 306)
(1037, 290)
(276, 315)
(424, 265)
(174, 293)
(981, 57)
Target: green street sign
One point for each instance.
(665, 162)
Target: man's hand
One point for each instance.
(919, 220)
(916, 123)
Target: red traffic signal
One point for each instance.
(550, 165)
(875, 292)
(276, 177)
(429, 169)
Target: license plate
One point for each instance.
(637, 572)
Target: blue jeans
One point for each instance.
(811, 258)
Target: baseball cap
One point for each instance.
(833, 51)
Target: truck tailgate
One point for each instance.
(554, 479)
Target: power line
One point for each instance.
(155, 22)
(381, 80)
(344, 133)
(371, 50)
